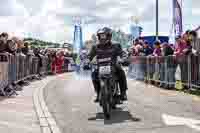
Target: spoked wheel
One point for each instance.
(105, 101)
(106, 105)
(107, 111)
(116, 97)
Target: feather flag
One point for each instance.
(177, 17)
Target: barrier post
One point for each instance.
(4, 72)
(189, 71)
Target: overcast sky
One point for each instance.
(52, 20)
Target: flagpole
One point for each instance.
(157, 23)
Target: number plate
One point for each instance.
(104, 70)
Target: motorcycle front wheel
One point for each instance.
(105, 99)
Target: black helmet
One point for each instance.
(104, 35)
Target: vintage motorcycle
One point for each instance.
(109, 95)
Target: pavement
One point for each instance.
(148, 110)
(19, 114)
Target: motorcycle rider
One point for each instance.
(104, 36)
(84, 59)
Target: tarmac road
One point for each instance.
(148, 110)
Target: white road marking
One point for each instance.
(173, 121)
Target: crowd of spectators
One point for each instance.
(187, 45)
(184, 45)
(56, 58)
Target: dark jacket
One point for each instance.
(3, 46)
(168, 51)
(147, 51)
(104, 51)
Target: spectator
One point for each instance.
(138, 49)
(195, 42)
(19, 43)
(48, 53)
(136, 41)
(53, 62)
(66, 61)
(37, 54)
(25, 49)
(11, 47)
(167, 49)
(157, 49)
(147, 49)
(172, 46)
(3, 42)
(186, 35)
(182, 47)
(60, 61)
(167, 71)
(137, 69)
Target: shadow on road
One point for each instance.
(2, 98)
(117, 116)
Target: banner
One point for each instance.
(177, 17)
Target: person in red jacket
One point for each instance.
(53, 62)
(60, 61)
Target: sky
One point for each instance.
(53, 20)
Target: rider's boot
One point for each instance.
(124, 96)
(97, 98)
(114, 107)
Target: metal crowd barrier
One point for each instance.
(26, 67)
(161, 70)
(44, 68)
(164, 70)
(4, 65)
(194, 71)
(19, 67)
(16, 68)
(137, 68)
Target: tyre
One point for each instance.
(106, 104)
(106, 110)
(115, 98)
(107, 116)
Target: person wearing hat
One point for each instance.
(181, 46)
(195, 43)
(157, 49)
(147, 49)
(3, 42)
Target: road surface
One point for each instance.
(149, 109)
